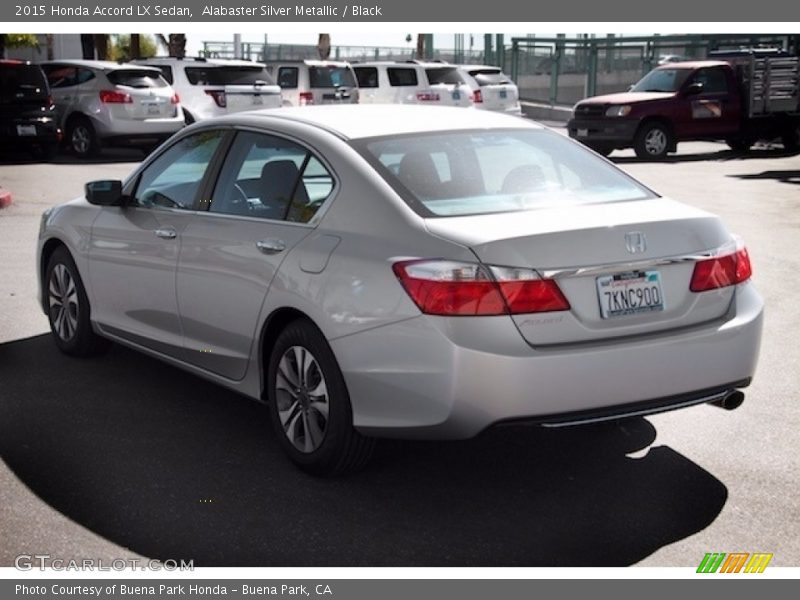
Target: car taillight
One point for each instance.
(477, 96)
(175, 99)
(115, 97)
(219, 97)
(441, 287)
(427, 96)
(306, 98)
(721, 271)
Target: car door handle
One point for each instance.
(167, 233)
(271, 246)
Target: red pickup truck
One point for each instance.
(744, 98)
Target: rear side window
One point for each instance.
(367, 77)
(287, 77)
(22, 81)
(443, 75)
(327, 77)
(402, 77)
(227, 75)
(269, 177)
(59, 76)
(137, 78)
(713, 80)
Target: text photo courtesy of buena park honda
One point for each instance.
(387, 299)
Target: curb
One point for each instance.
(5, 198)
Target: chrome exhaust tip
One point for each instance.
(731, 401)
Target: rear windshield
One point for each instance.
(486, 77)
(326, 77)
(228, 75)
(137, 78)
(662, 80)
(473, 172)
(443, 75)
(21, 82)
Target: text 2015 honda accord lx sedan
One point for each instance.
(404, 271)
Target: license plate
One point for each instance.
(583, 133)
(456, 95)
(26, 129)
(153, 108)
(629, 293)
(257, 100)
(503, 94)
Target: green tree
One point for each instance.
(17, 40)
(120, 47)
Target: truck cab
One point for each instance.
(697, 100)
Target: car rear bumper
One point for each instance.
(615, 131)
(439, 378)
(46, 131)
(147, 128)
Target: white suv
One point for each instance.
(101, 102)
(413, 82)
(491, 88)
(213, 87)
(305, 82)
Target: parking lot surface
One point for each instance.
(121, 455)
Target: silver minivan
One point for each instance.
(305, 82)
(103, 102)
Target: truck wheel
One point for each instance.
(791, 138)
(653, 141)
(739, 144)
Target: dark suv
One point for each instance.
(27, 113)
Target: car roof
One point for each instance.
(310, 63)
(102, 65)
(225, 62)
(354, 121)
(695, 64)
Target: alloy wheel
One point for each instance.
(81, 139)
(63, 300)
(655, 142)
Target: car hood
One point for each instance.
(627, 98)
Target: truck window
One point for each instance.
(713, 79)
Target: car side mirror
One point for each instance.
(106, 192)
(694, 88)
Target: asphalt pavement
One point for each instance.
(121, 455)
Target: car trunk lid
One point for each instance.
(591, 249)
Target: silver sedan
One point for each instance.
(405, 271)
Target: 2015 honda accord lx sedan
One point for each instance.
(404, 271)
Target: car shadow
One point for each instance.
(170, 466)
(106, 156)
(757, 152)
(792, 176)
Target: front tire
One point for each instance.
(309, 404)
(68, 308)
(791, 137)
(653, 141)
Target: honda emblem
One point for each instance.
(635, 242)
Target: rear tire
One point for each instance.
(82, 138)
(309, 404)
(45, 153)
(653, 141)
(739, 145)
(601, 149)
(791, 137)
(68, 307)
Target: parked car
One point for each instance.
(491, 88)
(27, 113)
(213, 87)
(403, 271)
(116, 104)
(305, 82)
(412, 82)
(747, 97)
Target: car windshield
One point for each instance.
(326, 77)
(137, 78)
(662, 80)
(472, 172)
(228, 75)
(21, 83)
